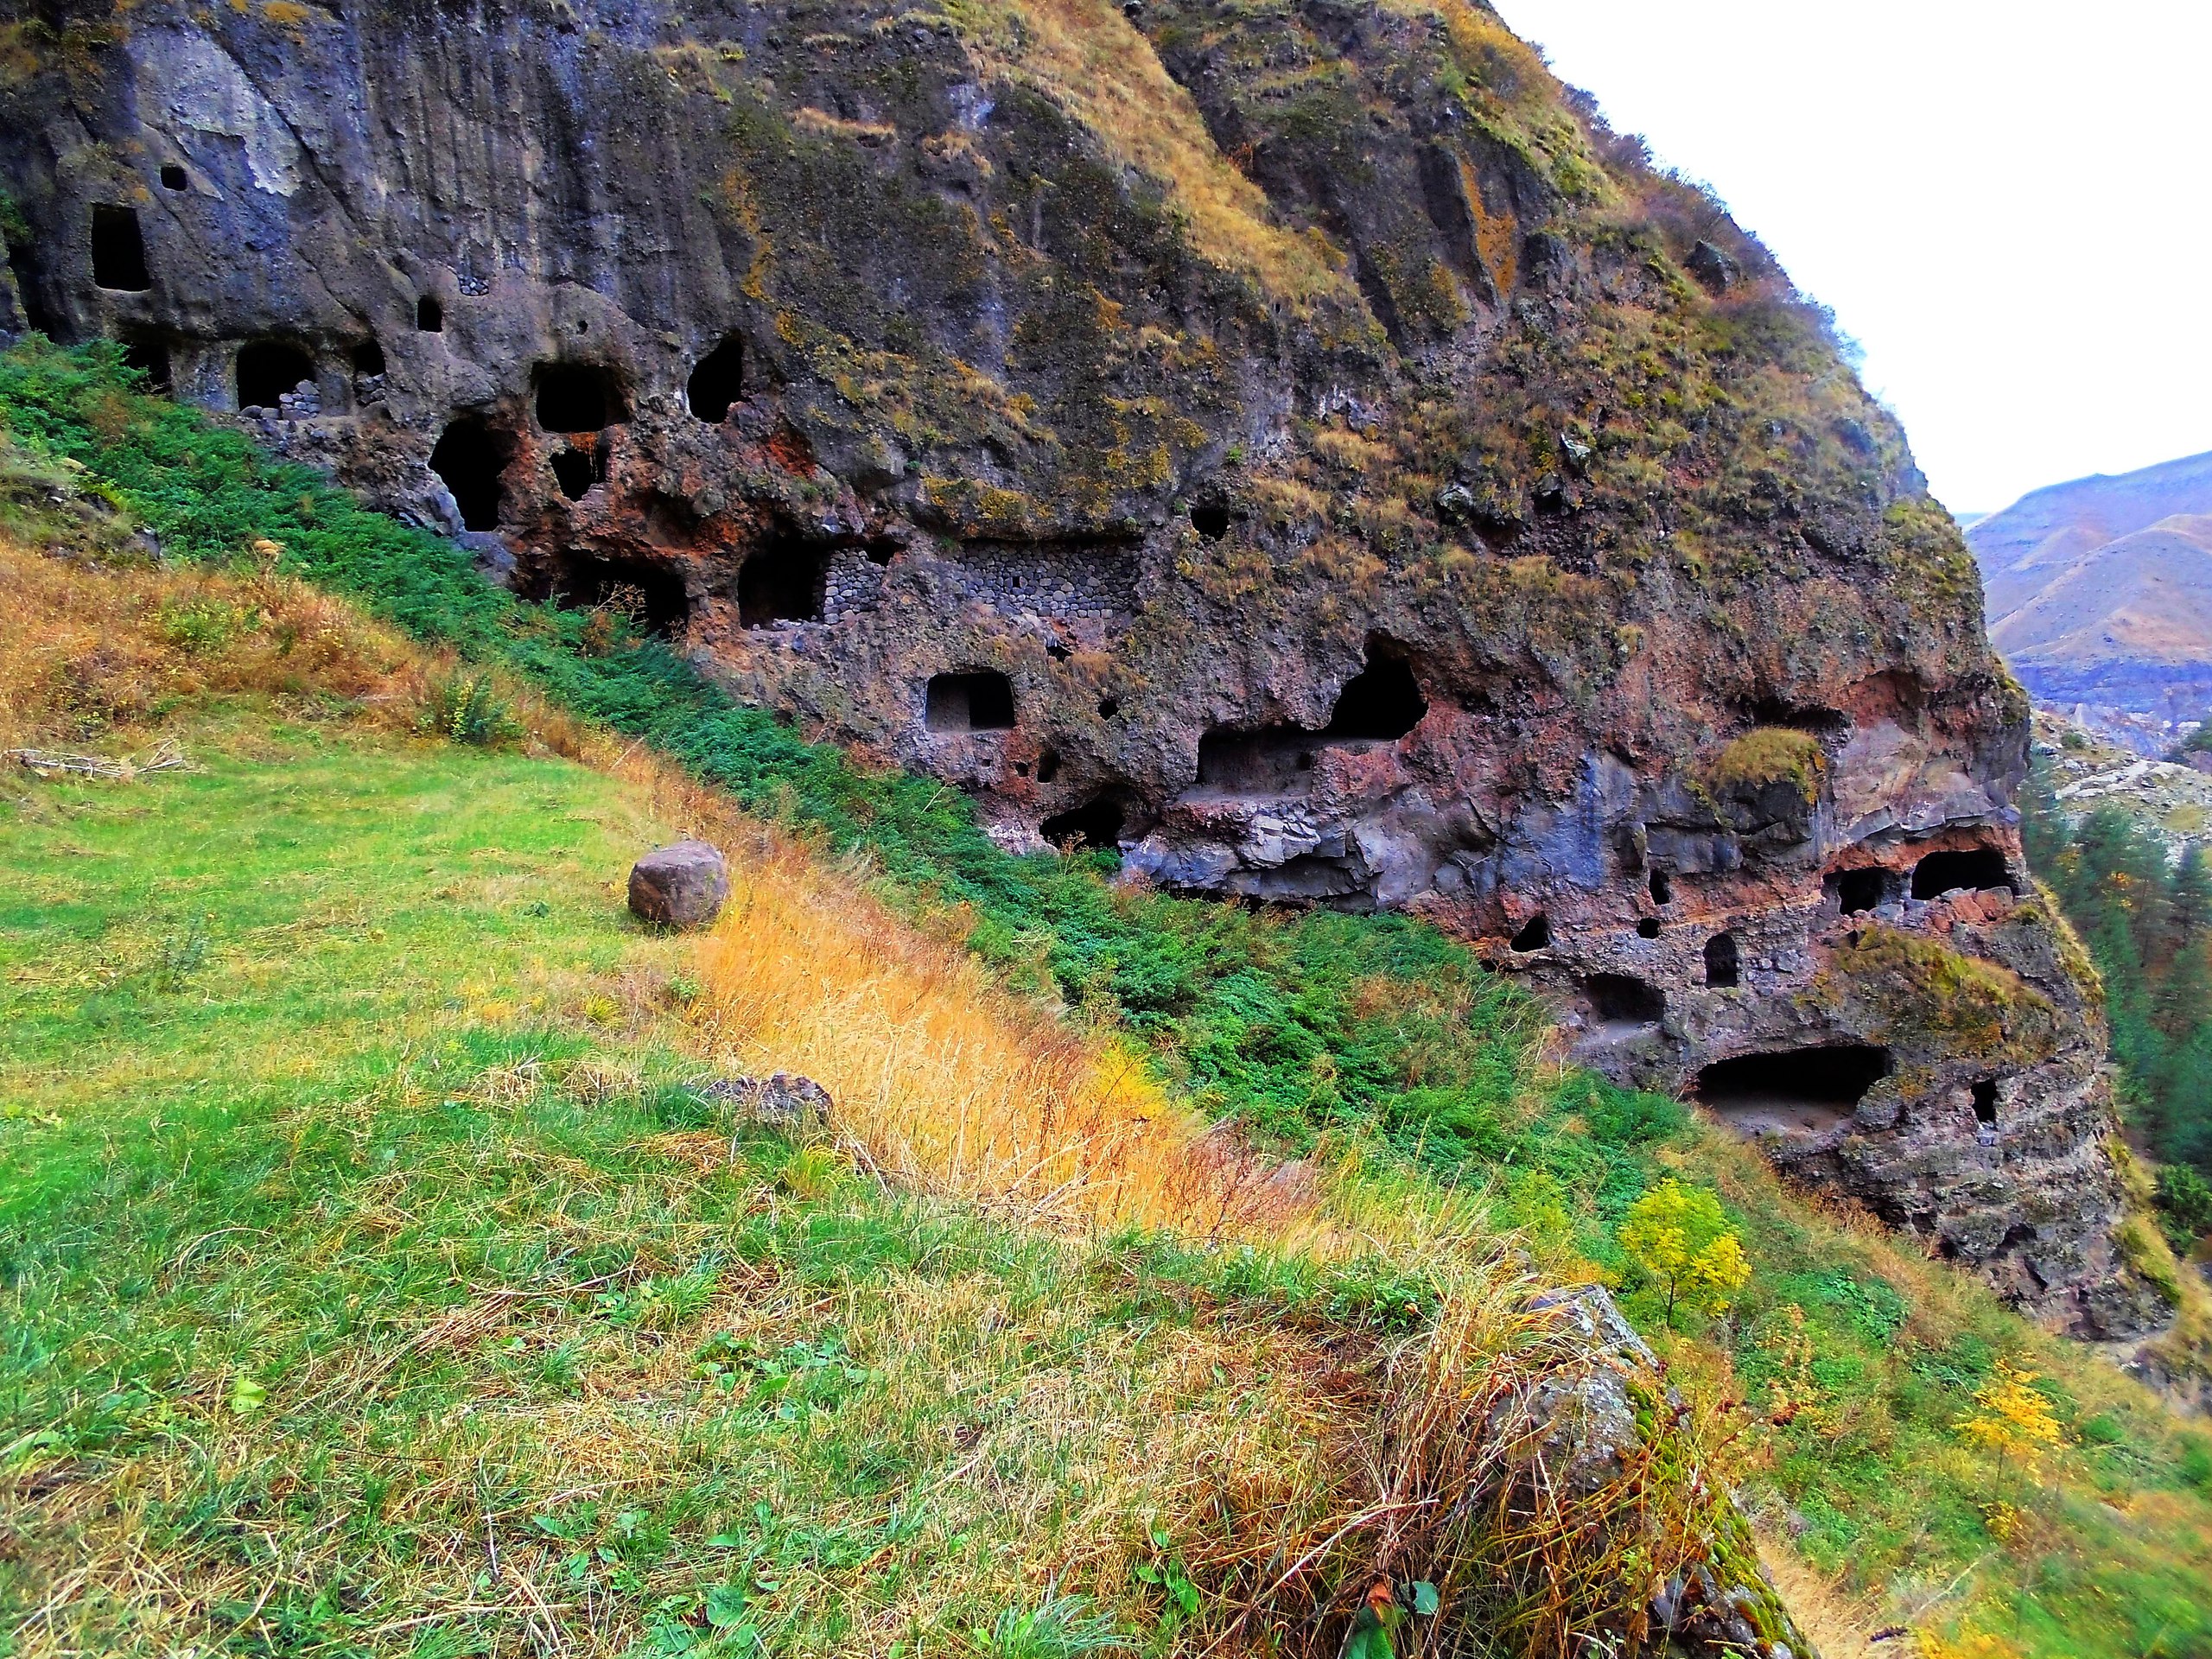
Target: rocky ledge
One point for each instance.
(1296, 444)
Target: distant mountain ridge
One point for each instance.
(2099, 590)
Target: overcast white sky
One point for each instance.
(2009, 205)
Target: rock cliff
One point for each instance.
(1294, 443)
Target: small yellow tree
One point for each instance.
(1678, 1235)
(2012, 1419)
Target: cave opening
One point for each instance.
(267, 369)
(1048, 765)
(1793, 1092)
(1946, 872)
(1662, 887)
(1109, 708)
(430, 316)
(653, 595)
(468, 459)
(783, 581)
(576, 470)
(974, 700)
(368, 357)
(173, 176)
(119, 251)
(1648, 928)
(1857, 892)
(1382, 700)
(1624, 999)
(1094, 827)
(1722, 963)
(717, 382)
(1210, 521)
(576, 397)
(149, 356)
(1272, 759)
(1985, 1101)
(1535, 935)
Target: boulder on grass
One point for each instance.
(683, 886)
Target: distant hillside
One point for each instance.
(2099, 590)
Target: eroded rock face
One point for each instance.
(1293, 443)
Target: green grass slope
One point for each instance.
(341, 1238)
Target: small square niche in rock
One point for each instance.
(683, 886)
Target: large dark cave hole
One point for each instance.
(1535, 935)
(783, 581)
(1624, 999)
(174, 177)
(717, 382)
(976, 700)
(149, 356)
(368, 357)
(1048, 765)
(468, 459)
(653, 595)
(430, 316)
(1095, 826)
(1662, 887)
(576, 470)
(118, 250)
(1382, 700)
(1973, 867)
(1857, 892)
(1722, 963)
(1793, 1092)
(576, 397)
(267, 369)
(1210, 521)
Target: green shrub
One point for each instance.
(468, 708)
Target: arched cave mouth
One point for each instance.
(1972, 867)
(1857, 892)
(267, 369)
(1381, 702)
(717, 382)
(470, 460)
(1794, 1092)
(782, 581)
(1723, 962)
(119, 251)
(1984, 1095)
(1535, 935)
(973, 700)
(1211, 520)
(576, 397)
(368, 356)
(653, 595)
(1094, 827)
(430, 316)
(1624, 999)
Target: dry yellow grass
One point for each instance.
(1090, 59)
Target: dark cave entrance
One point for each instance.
(782, 581)
(174, 177)
(976, 700)
(1793, 1092)
(1274, 758)
(1856, 892)
(653, 595)
(1985, 1101)
(717, 382)
(269, 369)
(1662, 887)
(576, 397)
(1722, 963)
(576, 470)
(368, 357)
(1094, 827)
(1381, 701)
(149, 356)
(468, 459)
(430, 316)
(1973, 867)
(1536, 935)
(1624, 999)
(118, 250)
(1210, 521)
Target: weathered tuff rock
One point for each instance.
(1294, 443)
(683, 885)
